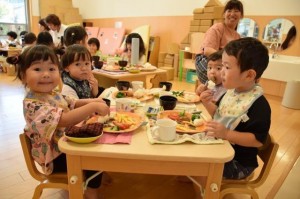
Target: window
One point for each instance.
(13, 16)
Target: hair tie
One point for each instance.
(72, 34)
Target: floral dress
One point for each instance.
(42, 113)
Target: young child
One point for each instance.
(77, 76)
(214, 67)
(47, 112)
(29, 40)
(243, 115)
(75, 35)
(94, 46)
(128, 48)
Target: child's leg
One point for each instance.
(93, 186)
(234, 170)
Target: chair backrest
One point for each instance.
(267, 154)
(26, 147)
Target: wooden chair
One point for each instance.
(267, 154)
(57, 180)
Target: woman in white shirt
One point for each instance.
(57, 28)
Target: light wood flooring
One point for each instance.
(18, 184)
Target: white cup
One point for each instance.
(124, 105)
(165, 130)
(137, 85)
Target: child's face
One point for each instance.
(80, 70)
(42, 76)
(232, 78)
(92, 48)
(214, 71)
(128, 50)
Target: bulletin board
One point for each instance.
(110, 39)
(92, 32)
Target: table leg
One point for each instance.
(214, 179)
(75, 177)
(161, 77)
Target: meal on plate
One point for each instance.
(187, 122)
(87, 130)
(186, 97)
(123, 122)
(140, 94)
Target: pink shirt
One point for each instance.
(42, 113)
(217, 36)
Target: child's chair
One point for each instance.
(57, 180)
(267, 154)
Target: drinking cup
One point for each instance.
(165, 129)
(124, 105)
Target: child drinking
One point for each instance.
(214, 67)
(77, 76)
(243, 115)
(47, 112)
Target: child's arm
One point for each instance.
(206, 99)
(94, 85)
(82, 102)
(218, 130)
(79, 114)
(201, 88)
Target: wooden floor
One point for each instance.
(18, 184)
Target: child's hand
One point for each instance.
(216, 129)
(94, 85)
(102, 109)
(200, 89)
(206, 96)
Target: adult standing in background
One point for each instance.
(218, 35)
(57, 28)
(43, 26)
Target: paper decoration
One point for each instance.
(135, 46)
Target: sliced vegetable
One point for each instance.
(195, 116)
(120, 95)
(178, 93)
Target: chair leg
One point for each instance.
(38, 192)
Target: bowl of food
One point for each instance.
(98, 64)
(167, 85)
(168, 102)
(122, 63)
(123, 85)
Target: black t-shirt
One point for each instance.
(259, 124)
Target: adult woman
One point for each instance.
(128, 48)
(43, 26)
(218, 35)
(57, 28)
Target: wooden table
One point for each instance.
(142, 157)
(150, 78)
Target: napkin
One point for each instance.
(112, 138)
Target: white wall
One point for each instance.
(90, 9)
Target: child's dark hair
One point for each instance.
(12, 34)
(29, 38)
(94, 41)
(31, 54)
(74, 53)
(250, 54)
(215, 56)
(45, 38)
(234, 4)
(74, 34)
(128, 40)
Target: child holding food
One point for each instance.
(243, 115)
(214, 67)
(48, 113)
(77, 77)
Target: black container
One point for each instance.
(107, 101)
(122, 63)
(167, 84)
(168, 102)
(123, 85)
